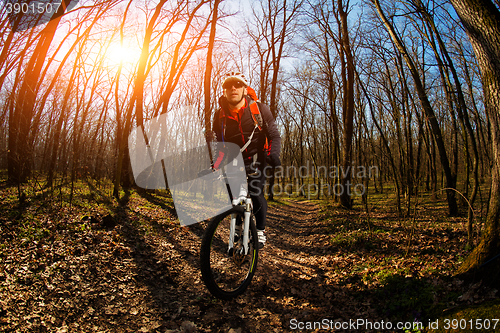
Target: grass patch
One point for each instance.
(48, 211)
(404, 298)
(483, 317)
(277, 202)
(356, 239)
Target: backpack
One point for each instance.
(254, 108)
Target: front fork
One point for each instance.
(246, 227)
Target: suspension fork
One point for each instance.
(232, 228)
(246, 225)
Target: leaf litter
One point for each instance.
(136, 270)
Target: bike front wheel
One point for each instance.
(227, 273)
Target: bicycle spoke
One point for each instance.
(227, 273)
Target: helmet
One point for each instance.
(236, 76)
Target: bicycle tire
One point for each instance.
(226, 275)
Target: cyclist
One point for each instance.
(235, 121)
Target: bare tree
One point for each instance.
(20, 147)
(467, 130)
(180, 50)
(274, 27)
(347, 60)
(427, 108)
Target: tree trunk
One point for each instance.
(348, 106)
(208, 69)
(481, 20)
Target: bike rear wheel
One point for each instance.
(227, 274)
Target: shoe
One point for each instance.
(261, 236)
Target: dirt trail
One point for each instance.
(291, 280)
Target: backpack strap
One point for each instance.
(249, 139)
(256, 116)
(259, 122)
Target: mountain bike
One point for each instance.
(229, 248)
(170, 152)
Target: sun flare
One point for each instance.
(117, 54)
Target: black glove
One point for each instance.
(273, 160)
(205, 172)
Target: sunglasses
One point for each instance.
(229, 85)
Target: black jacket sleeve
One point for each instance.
(272, 133)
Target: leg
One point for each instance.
(256, 188)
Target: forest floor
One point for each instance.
(132, 268)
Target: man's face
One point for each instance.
(234, 91)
